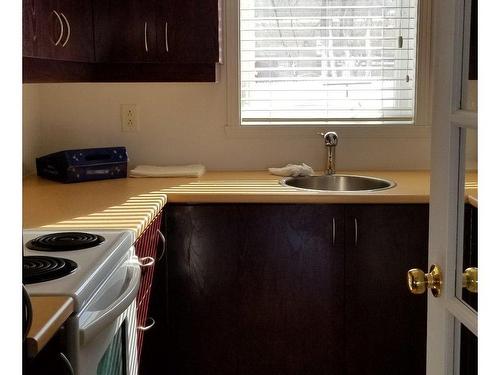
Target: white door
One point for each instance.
(449, 316)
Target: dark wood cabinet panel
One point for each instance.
(255, 289)
(188, 31)
(291, 293)
(385, 324)
(125, 31)
(63, 30)
(29, 35)
(203, 244)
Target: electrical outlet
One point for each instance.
(130, 121)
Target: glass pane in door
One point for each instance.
(466, 351)
(469, 62)
(467, 214)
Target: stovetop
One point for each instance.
(88, 267)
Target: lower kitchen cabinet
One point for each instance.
(386, 325)
(291, 289)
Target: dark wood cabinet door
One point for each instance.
(291, 290)
(64, 30)
(203, 245)
(125, 30)
(188, 31)
(256, 289)
(29, 35)
(385, 324)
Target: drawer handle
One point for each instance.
(146, 37)
(151, 322)
(164, 244)
(146, 262)
(69, 29)
(67, 364)
(61, 28)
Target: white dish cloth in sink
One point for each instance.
(193, 170)
(292, 170)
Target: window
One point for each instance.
(315, 62)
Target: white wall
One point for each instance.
(184, 123)
(32, 132)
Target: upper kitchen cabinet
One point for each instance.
(58, 30)
(121, 40)
(125, 31)
(188, 31)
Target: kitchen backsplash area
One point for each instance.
(32, 132)
(185, 124)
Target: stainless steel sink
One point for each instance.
(338, 183)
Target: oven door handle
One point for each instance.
(113, 311)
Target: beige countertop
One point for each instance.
(49, 313)
(131, 203)
(471, 189)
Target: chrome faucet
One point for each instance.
(331, 139)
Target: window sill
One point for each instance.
(344, 131)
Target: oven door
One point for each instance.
(120, 357)
(106, 343)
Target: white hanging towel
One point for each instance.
(193, 170)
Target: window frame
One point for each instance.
(423, 91)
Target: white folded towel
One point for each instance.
(193, 170)
(293, 170)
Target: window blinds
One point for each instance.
(327, 61)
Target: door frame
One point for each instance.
(446, 146)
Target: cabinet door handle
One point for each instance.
(355, 232)
(61, 28)
(166, 36)
(146, 36)
(164, 244)
(67, 364)
(146, 262)
(149, 326)
(69, 29)
(333, 231)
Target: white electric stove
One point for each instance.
(100, 271)
(93, 264)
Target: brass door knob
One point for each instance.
(419, 281)
(469, 279)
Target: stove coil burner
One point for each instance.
(65, 241)
(40, 268)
